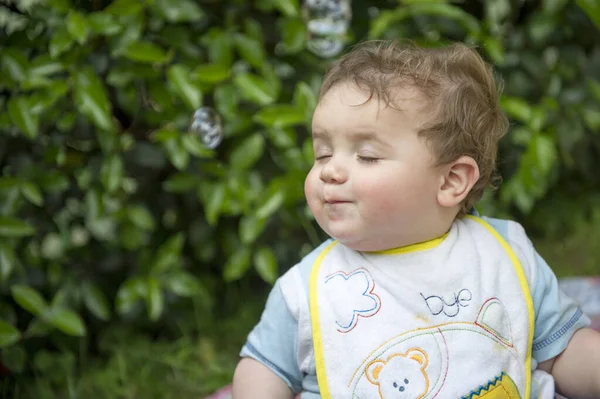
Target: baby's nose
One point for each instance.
(334, 172)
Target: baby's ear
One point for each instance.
(457, 181)
(373, 369)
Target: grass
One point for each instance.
(140, 369)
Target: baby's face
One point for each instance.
(373, 183)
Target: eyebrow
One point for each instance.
(356, 136)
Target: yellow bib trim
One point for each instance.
(420, 246)
(316, 326)
(526, 293)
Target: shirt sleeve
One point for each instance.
(557, 316)
(274, 340)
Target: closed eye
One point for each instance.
(368, 159)
(322, 157)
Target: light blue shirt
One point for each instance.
(274, 341)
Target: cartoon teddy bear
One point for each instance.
(401, 375)
(417, 364)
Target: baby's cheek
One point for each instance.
(309, 184)
(377, 197)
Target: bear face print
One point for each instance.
(401, 375)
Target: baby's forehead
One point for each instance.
(398, 96)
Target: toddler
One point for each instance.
(415, 296)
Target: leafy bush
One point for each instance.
(114, 216)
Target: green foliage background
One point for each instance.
(133, 260)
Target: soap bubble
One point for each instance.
(206, 123)
(327, 22)
(325, 46)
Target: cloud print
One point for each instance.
(353, 297)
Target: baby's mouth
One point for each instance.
(335, 201)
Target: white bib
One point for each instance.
(449, 318)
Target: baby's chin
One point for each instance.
(356, 243)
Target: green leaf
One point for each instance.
(93, 205)
(61, 41)
(237, 264)
(469, 22)
(305, 99)
(594, 87)
(180, 183)
(193, 144)
(592, 118)
(14, 64)
(289, 8)
(250, 49)
(146, 52)
(592, 9)
(45, 66)
(91, 99)
(254, 29)
(132, 32)
(214, 203)
(29, 299)
(164, 135)
(112, 173)
(12, 227)
(251, 227)
(254, 88)
(265, 264)
(385, 20)
(248, 152)
(66, 321)
(293, 35)
(219, 45)
(21, 115)
(95, 301)
(8, 261)
(52, 246)
(124, 7)
(271, 205)
(104, 23)
(184, 284)
(38, 328)
(516, 108)
(179, 78)
(493, 47)
(227, 98)
(168, 254)
(154, 299)
(545, 151)
(179, 10)
(43, 101)
(283, 137)
(32, 193)
(272, 79)
(177, 153)
(9, 335)
(130, 292)
(77, 26)
(280, 116)
(211, 73)
(141, 217)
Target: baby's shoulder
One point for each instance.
(294, 283)
(516, 237)
(508, 229)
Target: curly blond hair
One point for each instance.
(459, 90)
